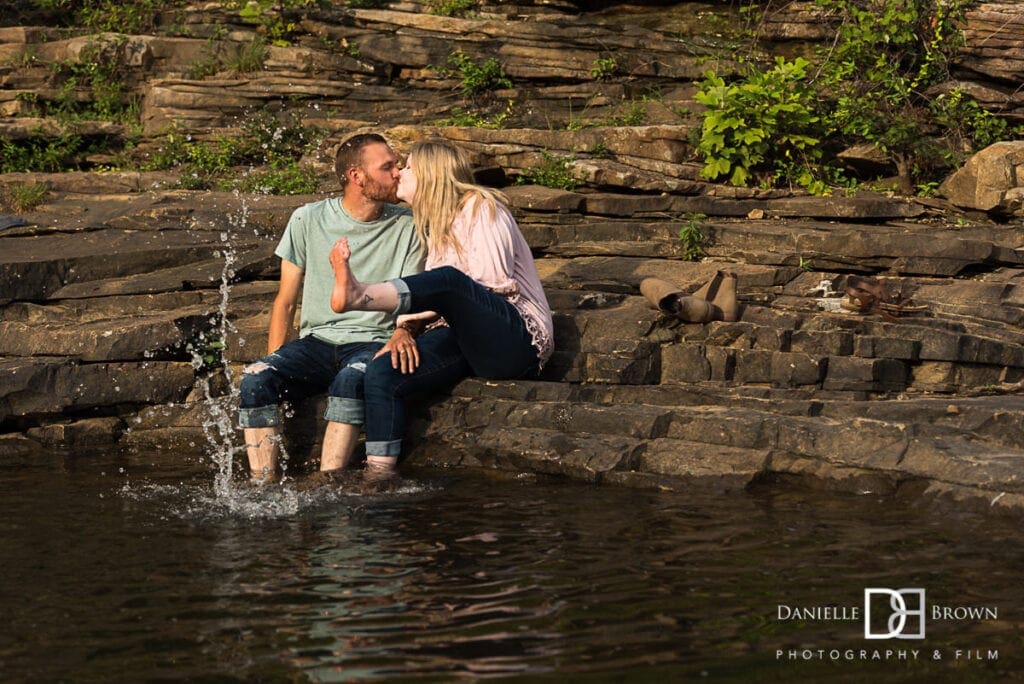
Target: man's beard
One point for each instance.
(380, 192)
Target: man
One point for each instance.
(332, 350)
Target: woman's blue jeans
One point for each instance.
(489, 331)
(486, 337)
(303, 368)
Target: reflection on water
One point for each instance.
(132, 576)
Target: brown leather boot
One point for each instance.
(724, 300)
(709, 289)
(672, 301)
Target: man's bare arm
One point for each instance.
(282, 315)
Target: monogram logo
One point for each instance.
(905, 611)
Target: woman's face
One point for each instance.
(407, 182)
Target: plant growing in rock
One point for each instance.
(476, 77)
(283, 178)
(966, 125)
(264, 139)
(28, 56)
(759, 125)
(29, 104)
(206, 350)
(874, 80)
(51, 155)
(691, 237)
(552, 172)
(121, 16)
(278, 20)
(249, 57)
(628, 113)
(452, 8)
(25, 196)
(100, 71)
(876, 83)
(478, 119)
(604, 67)
(600, 151)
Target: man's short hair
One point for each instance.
(350, 153)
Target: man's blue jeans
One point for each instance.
(303, 368)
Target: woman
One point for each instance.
(480, 294)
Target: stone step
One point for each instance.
(622, 339)
(808, 244)
(738, 416)
(56, 386)
(735, 445)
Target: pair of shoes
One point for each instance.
(867, 292)
(713, 301)
(870, 295)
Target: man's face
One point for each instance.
(379, 172)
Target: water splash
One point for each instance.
(189, 501)
(219, 426)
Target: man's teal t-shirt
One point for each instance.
(382, 249)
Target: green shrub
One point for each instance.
(288, 179)
(476, 119)
(968, 125)
(452, 8)
(552, 172)
(691, 237)
(477, 78)
(26, 196)
(603, 67)
(48, 155)
(874, 83)
(119, 16)
(760, 124)
(263, 140)
(101, 71)
(250, 57)
(874, 78)
(279, 20)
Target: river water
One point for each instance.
(117, 572)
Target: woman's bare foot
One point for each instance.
(347, 290)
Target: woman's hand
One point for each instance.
(405, 355)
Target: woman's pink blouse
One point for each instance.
(495, 254)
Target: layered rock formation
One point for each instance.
(121, 296)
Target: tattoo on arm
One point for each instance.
(366, 299)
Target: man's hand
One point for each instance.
(405, 355)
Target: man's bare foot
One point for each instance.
(262, 478)
(347, 290)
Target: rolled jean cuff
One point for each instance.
(391, 448)
(345, 410)
(260, 416)
(404, 296)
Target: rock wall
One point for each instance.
(117, 292)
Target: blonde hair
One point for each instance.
(444, 185)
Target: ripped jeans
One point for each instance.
(303, 368)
